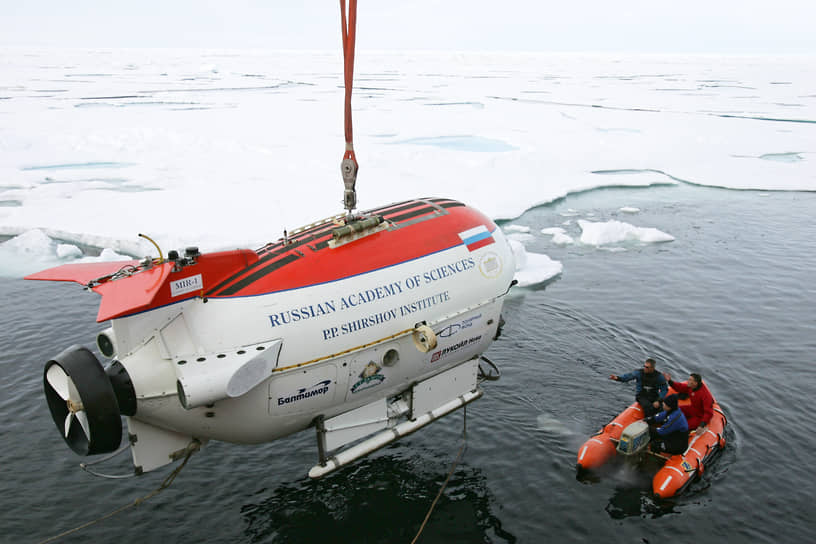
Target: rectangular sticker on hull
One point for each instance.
(186, 285)
(301, 392)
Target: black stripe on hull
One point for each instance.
(271, 254)
(258, 274)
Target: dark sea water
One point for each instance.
(733, 297)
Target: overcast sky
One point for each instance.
(652, 26)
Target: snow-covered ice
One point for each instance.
(226, 149)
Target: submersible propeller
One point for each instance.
(87, 401)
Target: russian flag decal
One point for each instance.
(476, 237)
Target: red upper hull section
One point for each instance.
(414, 229)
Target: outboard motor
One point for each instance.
(634, 438)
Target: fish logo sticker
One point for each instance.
(369, 377)
(454, 328)
(450, 330)
(476, 238)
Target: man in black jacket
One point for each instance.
(650, 386)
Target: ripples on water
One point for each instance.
(731, 297)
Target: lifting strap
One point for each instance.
(348, 166)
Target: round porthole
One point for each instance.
(391, 357)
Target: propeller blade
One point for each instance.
(58, 380)
(73, 394)
(83, 420)
(68, 423)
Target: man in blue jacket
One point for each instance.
(650, 387)
(672, 434)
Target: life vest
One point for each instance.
(649, 383)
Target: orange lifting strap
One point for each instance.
(349, 165)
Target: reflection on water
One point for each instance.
(390, 498)
(632, 494)
(631, 501)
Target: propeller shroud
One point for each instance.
(82, 402)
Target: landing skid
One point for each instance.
(423, 403)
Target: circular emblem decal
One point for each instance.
(490, 265)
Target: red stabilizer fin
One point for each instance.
(131, 294)
(80, 272)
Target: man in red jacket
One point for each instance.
(701, 409)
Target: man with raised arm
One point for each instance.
(699, 412)
(650, 386)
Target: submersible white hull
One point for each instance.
(354, 329)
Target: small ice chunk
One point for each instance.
(533, 268)
(521, 237)
(68, 251)
(559, 235)
(26, 253)
(629, 209)
(516, 228)
(562, 239)
(519, 253)
(612, 232)
(109, 255)
(34, 241)
(538, 269)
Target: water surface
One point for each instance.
(732, 297)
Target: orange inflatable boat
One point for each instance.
(621, 437)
